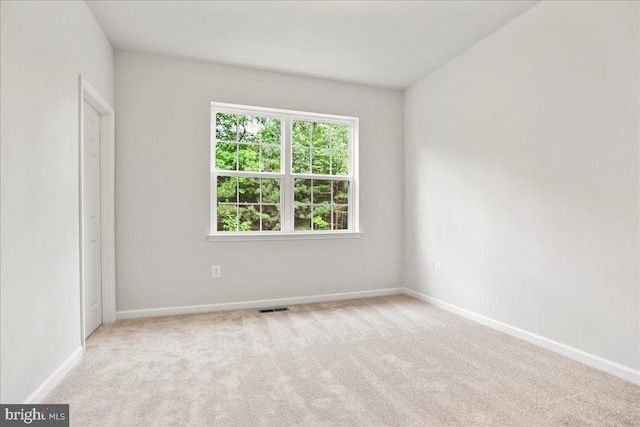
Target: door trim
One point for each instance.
(107, 203)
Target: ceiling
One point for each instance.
(381, 43)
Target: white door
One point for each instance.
(92, 257)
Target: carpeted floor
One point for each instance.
(369, 362)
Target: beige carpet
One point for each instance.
(379, 361)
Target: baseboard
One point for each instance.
(592, 360)
(206, 308)
(49, 384)
(597, 362)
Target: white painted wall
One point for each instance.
(44, 46)
(162, 188)
(522, 168)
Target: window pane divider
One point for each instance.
(321, 177)
(287, 193)
(250, 174)
(230, 236)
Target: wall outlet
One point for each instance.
(216, 271)
(438, 268)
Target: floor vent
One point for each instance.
(272, 309)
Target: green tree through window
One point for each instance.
(250, 172)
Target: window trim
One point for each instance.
(230, 236)
(286, 174)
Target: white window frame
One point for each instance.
(286, 175)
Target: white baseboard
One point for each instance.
(49, 384)
(592, 360)
(597, 362)
(206, 308)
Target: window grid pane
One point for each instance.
(248, 143)
(248, 204)
(320, 148)
(323, 201)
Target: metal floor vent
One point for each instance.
(272, 309)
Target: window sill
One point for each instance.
(246, 236)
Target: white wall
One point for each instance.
(522, 166)
(162, 188)
(44, 46)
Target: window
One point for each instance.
(282, 173)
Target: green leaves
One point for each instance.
(226, 156)
(227, 189)
(321, 135)
(269, 159)
(321, 204)
(300, 134)
(248, 204)
(226, 127)
(247, 157)
(246, 143)
(249, 129)
(340, 137)
(320, 148)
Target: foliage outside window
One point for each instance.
(277, 171)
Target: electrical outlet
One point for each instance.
(438, 268)
(216, 271)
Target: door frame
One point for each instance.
(107, 203)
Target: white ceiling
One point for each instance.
(382, 43)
